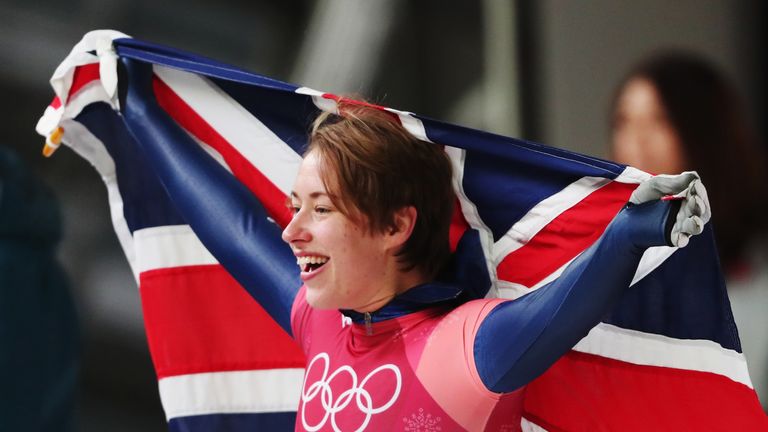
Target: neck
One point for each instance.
(400, 284)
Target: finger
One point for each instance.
(699, 225)
(701, 192)
(694, 205)
(701, 206)
(692, 226)
(664, 184)
(654, 189)
(697, 187)
(680, 239)
(674, 184)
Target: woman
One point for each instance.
(675, 111)
(388, 334)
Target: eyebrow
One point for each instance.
(312, 195)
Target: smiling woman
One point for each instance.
(347, 265)
(393, 211)
(391, 338)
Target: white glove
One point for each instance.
(694, 210)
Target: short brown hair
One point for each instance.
(373, 167)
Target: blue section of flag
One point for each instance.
(506, 177)
(519, 151)
(266, 422)
(684, 298)
(289, 116)
(468, 268)
(504, 191)
(145, 202)
(178, 59)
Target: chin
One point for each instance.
(317, 300)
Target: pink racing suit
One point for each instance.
(415, 372)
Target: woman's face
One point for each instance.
(342, 264)
(642, 134)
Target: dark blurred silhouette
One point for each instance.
(38, 328)
(675, 111)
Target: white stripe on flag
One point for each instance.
(323, 104)
(50, 120)
(247, 134)
(632, 175)
(529, 426)
(407, 119)
(543, 213)
(649, 349)
(652, 258)
(471, 215)
(169, 246)
(90, 93)
(90, 148)
(512, 290)
(253, 391)
(412, 124)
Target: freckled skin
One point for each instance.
(642, 135)
(362, 273)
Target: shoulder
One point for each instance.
(464, 320)
(477, 309)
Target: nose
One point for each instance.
(296, 230)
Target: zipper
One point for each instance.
(368, 325)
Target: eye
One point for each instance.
(322, 210)
(293, 208)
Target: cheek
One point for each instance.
(358, 264)
(664, 153)
(626, 146)
(623, 150)
(655, 148)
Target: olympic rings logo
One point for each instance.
(358, 393)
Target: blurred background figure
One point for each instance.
(675, 111)
(38, 327)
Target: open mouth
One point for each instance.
(309, 264)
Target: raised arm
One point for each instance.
(223, 213)
(520, 339)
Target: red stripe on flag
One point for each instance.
(582, 225)
(590, 393)
(458, 226)
(270, 195)
(198, 319)
(345, 101)
(83, 76)
(55, 103)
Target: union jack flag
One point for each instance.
(666, 358)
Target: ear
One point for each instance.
(403, 222)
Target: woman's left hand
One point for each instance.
(694, 210)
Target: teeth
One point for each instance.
(305, 260)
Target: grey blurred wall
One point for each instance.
(585, 47)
